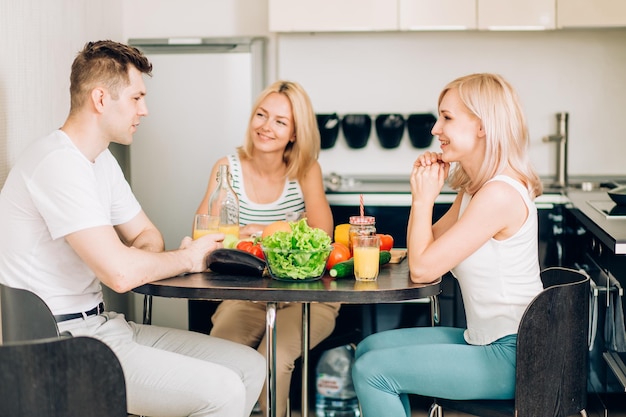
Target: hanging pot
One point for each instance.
(390, 129)
(356, 129)
(420, 126)
(328, 125)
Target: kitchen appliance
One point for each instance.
(199, 100)
(587, 245)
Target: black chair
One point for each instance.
(61, 377)
(552, 355)
(25, 316)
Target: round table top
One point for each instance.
(393, 284)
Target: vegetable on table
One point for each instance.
(386, 241)
(346, 268)
(339, 253)
(236, 262)
(252, 247)
(298, 254)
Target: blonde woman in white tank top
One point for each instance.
(488, 239)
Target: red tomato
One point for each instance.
(257, 251)
(244, 245)
(339, 253)
(386, 241)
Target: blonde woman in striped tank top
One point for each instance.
(276, 172)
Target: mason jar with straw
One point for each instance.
(362, 225)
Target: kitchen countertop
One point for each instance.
(611, 231)
(395, 191)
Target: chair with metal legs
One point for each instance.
(552, 355)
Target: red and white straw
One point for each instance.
(362, 209)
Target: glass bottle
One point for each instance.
(224, 203)
(362, 225)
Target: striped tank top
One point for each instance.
(291, 199)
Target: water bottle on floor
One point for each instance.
(335, 396)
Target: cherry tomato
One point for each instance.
(386, 241)
(244, 245)
(257, 251)
(339, 253)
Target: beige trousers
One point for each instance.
(244, 322)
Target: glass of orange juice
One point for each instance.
(366, 257)
(229, 229)
(204, 224)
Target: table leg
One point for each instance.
(270, 381)
(147, 309)
(305, 358)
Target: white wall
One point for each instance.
(38, 42)
(580, 72)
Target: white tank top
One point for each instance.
(501, 278)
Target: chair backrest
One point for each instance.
(552, 352)
(61, 377)
(25, 316)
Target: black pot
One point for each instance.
(356, 129)
(390, 129)
(618, 195)
(420, 126)
(328, 125)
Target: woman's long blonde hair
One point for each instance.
(494, 101)
(301, 153)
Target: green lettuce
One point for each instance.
(299, 254)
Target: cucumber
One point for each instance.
(236, 262)
(342, 269)
(384, 257)
(346, 268)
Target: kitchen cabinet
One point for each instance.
(403, 15)
(591, 13)
(437, 14)
(516, 14)
(332, 15)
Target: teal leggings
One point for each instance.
(432, 362)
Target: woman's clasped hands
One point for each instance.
(428, 176)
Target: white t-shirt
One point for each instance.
(52, 191)
(501, 278)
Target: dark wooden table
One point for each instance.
(393, 285)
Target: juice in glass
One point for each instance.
(229, 229)
(204, 224)
(197, 233)
(366, 257)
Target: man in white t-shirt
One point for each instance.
(70, 223)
